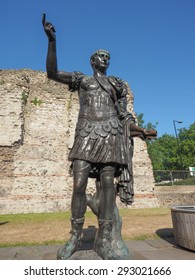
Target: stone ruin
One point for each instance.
(37, 123)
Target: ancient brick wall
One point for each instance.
(175, 195)
(37, 122)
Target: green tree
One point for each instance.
(186, 138)
(168, 146)
(165, 153)
(156, 154)
(141, 122)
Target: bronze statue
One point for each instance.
(102, 149)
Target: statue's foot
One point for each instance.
(104, 250)
(66, 251)
(120, 247)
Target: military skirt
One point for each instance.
(100, 142)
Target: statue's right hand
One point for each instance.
(49, 29)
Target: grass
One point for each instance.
(54, 228)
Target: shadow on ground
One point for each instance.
(166, 234)
(88, 238)
(3, 223)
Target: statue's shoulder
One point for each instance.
(119, 85)
(77, 77)
(87, 78)
(116, 80)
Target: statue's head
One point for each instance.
(100, 60)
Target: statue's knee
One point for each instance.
(78, 191)
(80, 183)
(107, 179)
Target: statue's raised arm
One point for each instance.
(51, 63)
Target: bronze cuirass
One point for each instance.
(96, 102)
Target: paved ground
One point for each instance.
(140, 250)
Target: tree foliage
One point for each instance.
(168, 152)
(141, 122)
(187, 145)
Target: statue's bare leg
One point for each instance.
(103, 241)
(78, 207)
(118, 245)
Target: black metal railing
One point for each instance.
(174, 177)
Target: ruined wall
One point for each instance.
(175, 195)
(37, 122)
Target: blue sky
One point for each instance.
(152, 46)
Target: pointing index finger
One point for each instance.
(43, 19)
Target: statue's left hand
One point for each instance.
(142, 133)
(150, 134)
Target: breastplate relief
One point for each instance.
(95, 102)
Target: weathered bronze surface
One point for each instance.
(102, 149)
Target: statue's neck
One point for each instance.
(99, 74)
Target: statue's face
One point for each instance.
(101, 61)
